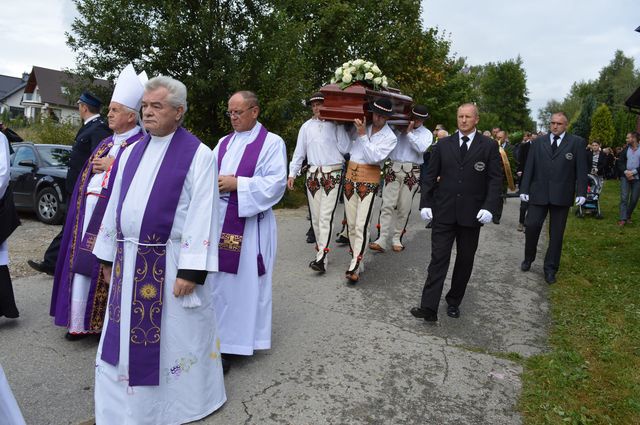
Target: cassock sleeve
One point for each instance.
(196, 233)
(105, 247)
(214, 230)
(262, 191)
(4, 164)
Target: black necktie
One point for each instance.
(554, 145)
(463, 146)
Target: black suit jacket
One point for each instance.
(87, 139)
(465, 186)
(554, 179)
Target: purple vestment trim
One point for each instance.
(72, 230)
(230, 243)
(149, 273)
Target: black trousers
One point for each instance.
(7, 302)
(442, 238)
(536, 215)
(523, 211)
(51, 254)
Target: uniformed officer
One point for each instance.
(94, 130)
(555, 171)
(460, 192)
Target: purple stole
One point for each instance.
(61, 294)
(230, 243)
(150, 266)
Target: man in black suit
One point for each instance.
(555, 171)
(523, 153)
(94, 130)
(459, 194)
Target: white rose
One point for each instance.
(358, 62)
(368, 76)
(333, 81)
(338, 70)
(375, 69)
(368, 64)
(377, 81)
(359, 76)
(346, 78)
(346, 65)
(352, 70)
(385, 83)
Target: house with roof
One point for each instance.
(51, 93)
(11, 90)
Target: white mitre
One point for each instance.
(129, 88)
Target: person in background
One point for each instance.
(629, 171)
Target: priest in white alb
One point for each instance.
(79, 295)
(158, 360)
(253, 178)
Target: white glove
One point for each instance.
(524, 197)
(580, 200)
(484, 216)
(426, 214)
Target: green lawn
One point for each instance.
(592, 373)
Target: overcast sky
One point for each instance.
(560, 41)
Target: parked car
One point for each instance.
(38, 174)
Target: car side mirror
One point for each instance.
(27, 163)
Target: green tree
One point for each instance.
(581, 125)
(602, 128)
(503, 89)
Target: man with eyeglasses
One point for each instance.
(253, 177)
(556, 170)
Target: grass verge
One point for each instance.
(592, 373)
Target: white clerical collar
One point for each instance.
(162, 139)
(91, 118)
(119, 138)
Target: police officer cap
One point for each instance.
(90, 99)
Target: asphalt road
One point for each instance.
(341, 354)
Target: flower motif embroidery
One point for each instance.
(348, 188)
(180, 366)
(206, 242)
(148, 292)
(410, 180)
(186, 243)
(313, 185)
(390, 176)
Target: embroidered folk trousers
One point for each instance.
(397, 196)
(358, 210)
(323, 187)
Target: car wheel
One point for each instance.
(49, 206)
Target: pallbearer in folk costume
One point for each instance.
(372, 146)
(158, 360)
(402, 180)
(253, 178)
(323, 143)
(79, 293)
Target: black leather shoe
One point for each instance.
(422, 313)
(342, 240)
(311, 238)
(550, 277)
(75, 337)
(316, 266)
(496, 221)
(453, 311)
(525, 266)
(42, 267)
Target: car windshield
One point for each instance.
(54, 156)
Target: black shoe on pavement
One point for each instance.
(525, 266)
(453, 311)
(550, 277)
(342, 240)
(75, 337)
(226, 364)
(42, 267)
(317, 266)
(421, 313)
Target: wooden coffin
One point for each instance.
(353, 102)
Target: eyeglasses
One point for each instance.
(237, 114)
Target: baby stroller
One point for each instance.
(592, 204)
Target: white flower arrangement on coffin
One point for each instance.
(359, 70)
